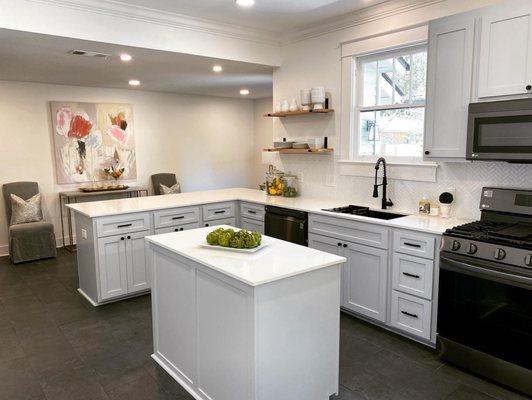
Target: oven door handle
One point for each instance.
(453, 265)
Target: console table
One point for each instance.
(74, 195)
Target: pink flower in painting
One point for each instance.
(63, 118)
(117, 134)
(79, 127)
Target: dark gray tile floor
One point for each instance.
(55, 346)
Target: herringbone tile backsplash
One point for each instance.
(320, 179)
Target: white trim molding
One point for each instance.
(419, 172)
(151, 15)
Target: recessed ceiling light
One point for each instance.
(244, 92)
(245, 3)
(217, 68)
(134, 82)
(125, 57)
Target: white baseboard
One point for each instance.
(4, 248)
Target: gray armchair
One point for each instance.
(166, 179)
(33, 240)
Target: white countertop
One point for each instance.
(277, 260)
(435, 225)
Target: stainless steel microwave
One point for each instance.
(500, 131)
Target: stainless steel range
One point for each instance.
(485, 290)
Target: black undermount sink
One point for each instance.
(365, 212)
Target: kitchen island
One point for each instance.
(235, 326)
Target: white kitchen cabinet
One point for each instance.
(411, 314)
(449, 81)
(122, 265)
(364, 275)
(138, 274)
(505, 59)
(113, 266)
(365, 281)
(252, 225)
(223, 221)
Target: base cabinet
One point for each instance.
(252, 225)
(364, 275)
(122, 265)
(365, 281)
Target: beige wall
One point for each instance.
(263, 130)
(207, 141)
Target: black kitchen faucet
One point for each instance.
(385, 202)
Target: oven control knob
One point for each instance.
(528, 260)
(500, 254)
(472, 248)
(455, 245)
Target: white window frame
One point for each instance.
(347, 164)
(357, 93)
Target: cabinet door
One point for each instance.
(112, 266)
(505, 61)
(365, 280)
(332, 246)
(252, 225)
(449, 76)
(138, 275)
(224, 221)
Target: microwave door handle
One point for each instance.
(453, 265)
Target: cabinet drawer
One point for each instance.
(253, 211)
(212, 212)
(414, 244)
(411, 314)
(176, 216)
(224, 221)
(252, 225)
(412, 275)
(353, 231)
(118, 225)
(177, 228)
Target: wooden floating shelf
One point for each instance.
(301, 112)
(302, 151)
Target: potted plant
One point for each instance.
(446, 199)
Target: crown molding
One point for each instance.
(356, 18)
(149, 15)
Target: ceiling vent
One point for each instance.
(85, 53)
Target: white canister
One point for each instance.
(293, 105)
(445, 210)
(285, 106)
(318, 97)
(305, 99)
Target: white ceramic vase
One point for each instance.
(293, 105)
(305, 99)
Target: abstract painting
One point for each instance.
(90, 137)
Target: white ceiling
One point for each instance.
(279, 16)
(30, 57)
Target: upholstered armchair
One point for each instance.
(168, 180)
(28, 241)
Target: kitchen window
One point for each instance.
(389, 98)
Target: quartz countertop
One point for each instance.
(428, 224)
(277, 260)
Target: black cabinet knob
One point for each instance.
(181, 229)
(344, 245)
(122, 238)
(427, 152)
(176, 230)
(206, 224)
(129, 237)
(528, 87)
(339, 244)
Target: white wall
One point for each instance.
(315, 62)
(263, 129)
(207, 141)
